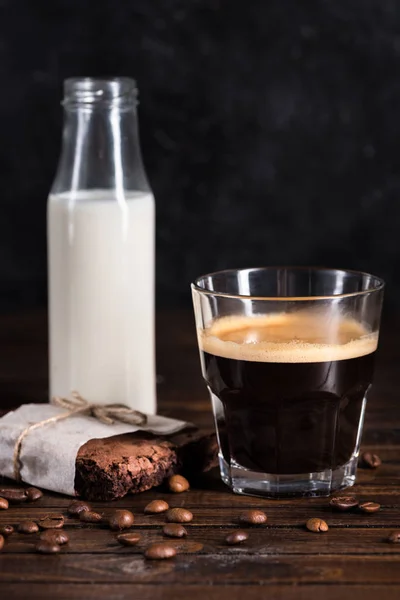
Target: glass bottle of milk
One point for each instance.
(101, 251)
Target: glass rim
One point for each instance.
(92, 90)
(377, 288)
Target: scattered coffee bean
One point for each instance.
(55, 536)
(317, 525)
(28, 527)
(77, 507)
(1, 542)
(13, 496)
(253, 517)
(3, 504)
(343, 503)
(179, 515)
(33, 494)
(372, 461)
(46, 547)
(6, 530)
(174, 530)
(128, 539)
(160, 551)
(51, 522)
(121, 519)
(156, 506)
(89, 516)
(369, 507)
(394, 537)
(178, 484)
(236, 537)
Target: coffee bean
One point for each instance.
(179, 515)
(77, 507)
(55, 536)
(89, 516)
(6, 530)
(174, 530)
(33, 494)
(3, 504)
(46, 547)
(14, 496)
(128, 539)
(51, 522)
(28, 527)
(253, 517)
(1, 542)
(369, 507)
(160, 552)
(178, 484)
(236, 537)
(372, 461)
(317, 525)
(394, 537)
(343, 503)
(121, 519)
(156, 506)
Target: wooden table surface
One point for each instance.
(280, 561)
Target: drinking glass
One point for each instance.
(287, 355)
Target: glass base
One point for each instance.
(252, 483)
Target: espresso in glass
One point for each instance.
(290, 389)
(287, 354)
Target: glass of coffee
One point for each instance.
(287, 355)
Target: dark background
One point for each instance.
(270, 130)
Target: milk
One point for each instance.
(101, 297)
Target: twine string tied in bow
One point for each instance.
(106, 413)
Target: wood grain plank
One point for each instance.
(189, 569)
(208, 489)
(387, 497)
(262, 541)
(280, 516)
(128, 591)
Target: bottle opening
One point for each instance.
(91, 91)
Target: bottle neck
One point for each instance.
(100, 148)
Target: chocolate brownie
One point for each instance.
(110, 468)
